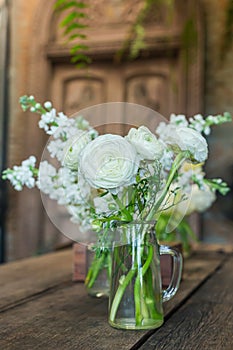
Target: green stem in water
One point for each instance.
(94, 270)
(138, 288)
(180, 158)
(120, 292)
(150, 296)
(109, 265)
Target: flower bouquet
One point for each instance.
(119, 187)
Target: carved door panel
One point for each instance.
(152, 83)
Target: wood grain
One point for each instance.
(67, 318)
(196, 269)
(24, 278)
(205, 321)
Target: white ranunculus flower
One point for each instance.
(146, 143)
(201, 200)
(73, 148)
(181, 203)
(109, 162)
(187, 139)
(198, 200)
(194, 142)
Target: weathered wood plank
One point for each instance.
(67, 318)
(205, 321)
(23, 278)
(196, 269)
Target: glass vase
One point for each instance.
(136, 294)
(97, 280)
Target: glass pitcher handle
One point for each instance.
(177, 258)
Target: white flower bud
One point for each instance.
(48, 104)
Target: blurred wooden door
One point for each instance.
(154, 83)
(149, 83)
(159, 78)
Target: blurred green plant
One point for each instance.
(227, 35)
(135, 40)
(75, 22)
(189, 39)
(73, 25)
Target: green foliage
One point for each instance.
(29, 102)
(64, 4)
(73, 25)
(182, 233)
(189, 39)
(135, 40)
(227, 37)
(218, 185)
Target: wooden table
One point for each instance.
(41, 308)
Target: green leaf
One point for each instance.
(81, 5)
(184, 225)
(69, 18)
(61, 5)
(81, 15)
(77, 35)
(81, 65)
(103, 194)
(80, 57)
(74, 26)
(78, 47)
